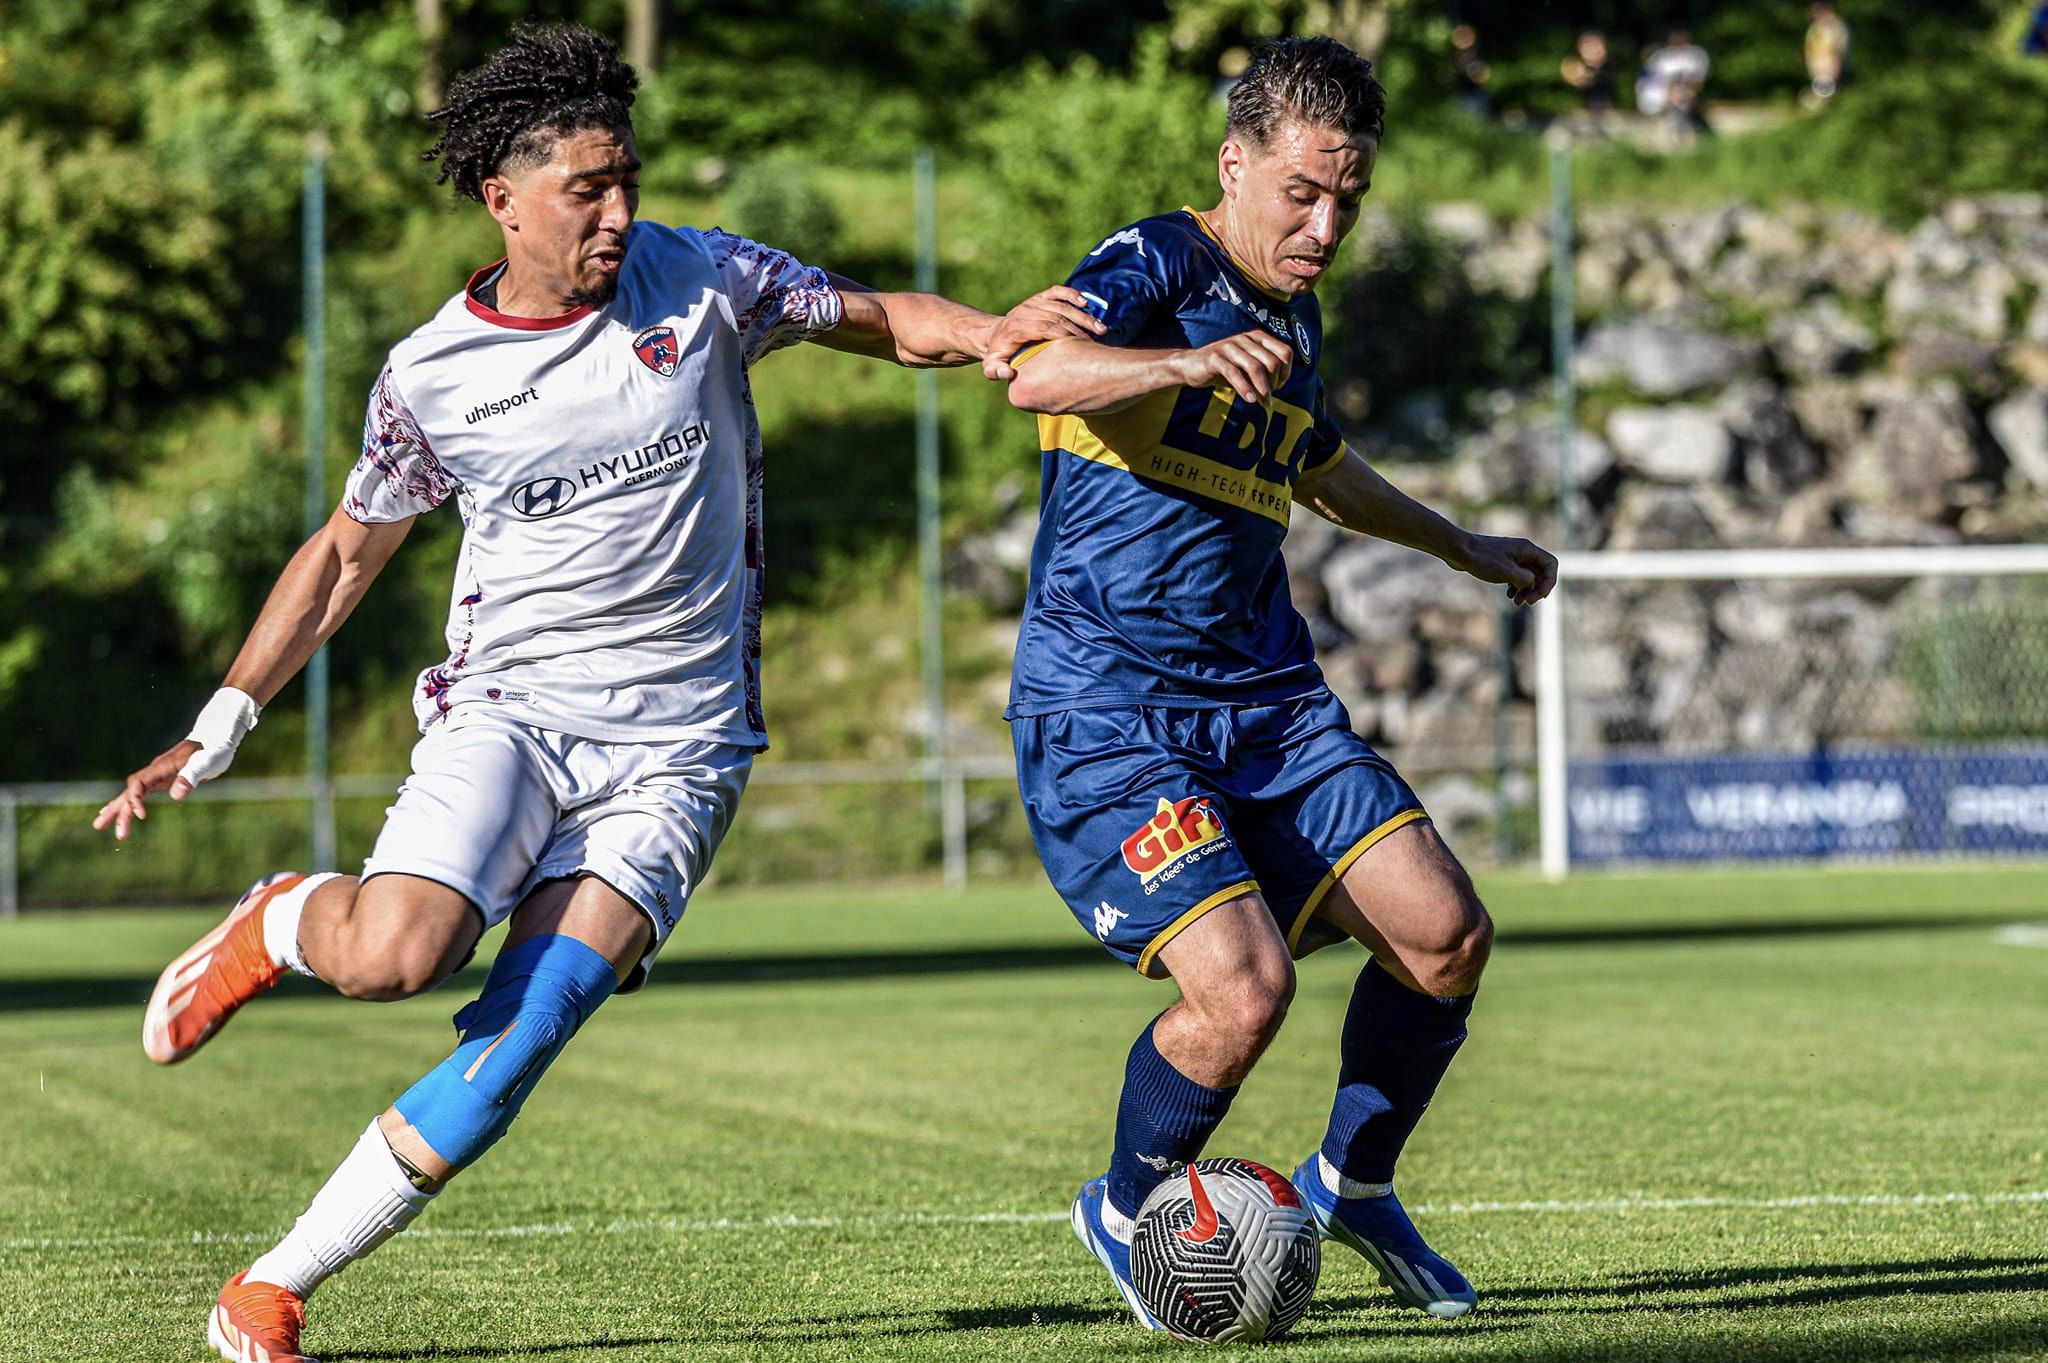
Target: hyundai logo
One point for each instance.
(543, 497)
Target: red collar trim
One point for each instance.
(496, 318)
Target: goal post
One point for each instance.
(1731, 704)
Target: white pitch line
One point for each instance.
(2023, 935)
(673, 1224)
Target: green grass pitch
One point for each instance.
(1763, 1116)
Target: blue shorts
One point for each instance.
(1148, 817)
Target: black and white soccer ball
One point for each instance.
(1225, 1250)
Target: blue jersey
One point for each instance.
(1156, 578)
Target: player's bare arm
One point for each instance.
(315, 593)
(923, 330)
(1080, 377)
(1351, 493)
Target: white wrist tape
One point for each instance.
(219, 730)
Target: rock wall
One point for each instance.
(1746, 379)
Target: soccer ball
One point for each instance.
(1225, 1250)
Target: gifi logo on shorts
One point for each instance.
(1180, 834)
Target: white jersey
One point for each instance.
(607, 465)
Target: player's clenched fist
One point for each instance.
(1253, 363)
(1527, 570)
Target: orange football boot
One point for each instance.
(257, 1323)
(218, 974)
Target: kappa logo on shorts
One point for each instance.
(1181, 833)
(657, 349)
(1107, 916)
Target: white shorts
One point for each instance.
(495, 807)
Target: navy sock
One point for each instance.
(1396, 1045)
(1162, 1121)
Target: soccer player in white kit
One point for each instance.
(585, 404)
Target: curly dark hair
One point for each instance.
(550, 79)
(1316, 80)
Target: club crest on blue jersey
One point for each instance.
(657, 349)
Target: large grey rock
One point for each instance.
(1454, 719)
(1599, 268)
(1920, 450)
(1378, 591)
(1769, 234)
(1693, 240)
(1458, 803)
(1819, 339)
(1865, 523)
(1831, 413)
(2020, 426)
(1310, 541)
(1661, 358)
(1515, 262)
(1948, 280)
(1753, 613)
(1856, 255)
(1977, 305)
(1773, 451)
(1517, 462)
(1933, 352)
(1656, 285)
(1764, 281)
(1740, 519)
(1808, 517)
(1647, 516)
(1671, 444)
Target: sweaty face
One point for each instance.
(566, 219)
(1290, 202)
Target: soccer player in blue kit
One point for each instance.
(1195, 790)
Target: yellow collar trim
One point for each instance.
(1249, 277)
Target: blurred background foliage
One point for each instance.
(149, 269)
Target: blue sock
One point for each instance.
(1162, 1121)
(1396, 1045)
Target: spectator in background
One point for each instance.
(1673, 78)
(1589, 71)
(1827, 53)
(2035, 43)
(1469, 71)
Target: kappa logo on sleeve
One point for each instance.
(658, 350)
(1129, 236)
(1180, 834)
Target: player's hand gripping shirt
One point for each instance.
(1156, 578)
(607, 465)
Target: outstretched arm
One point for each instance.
(314, 594)
(1351, 493)
(1087, 378)
(923, 330)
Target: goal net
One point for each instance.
(1726, 705)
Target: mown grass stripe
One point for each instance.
(660, 1225)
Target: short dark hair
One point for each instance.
(550, 79)
(1315, 80)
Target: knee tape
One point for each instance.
(538, 994)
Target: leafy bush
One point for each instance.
(778, 201)
(1068, 156)
(1406, 320)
